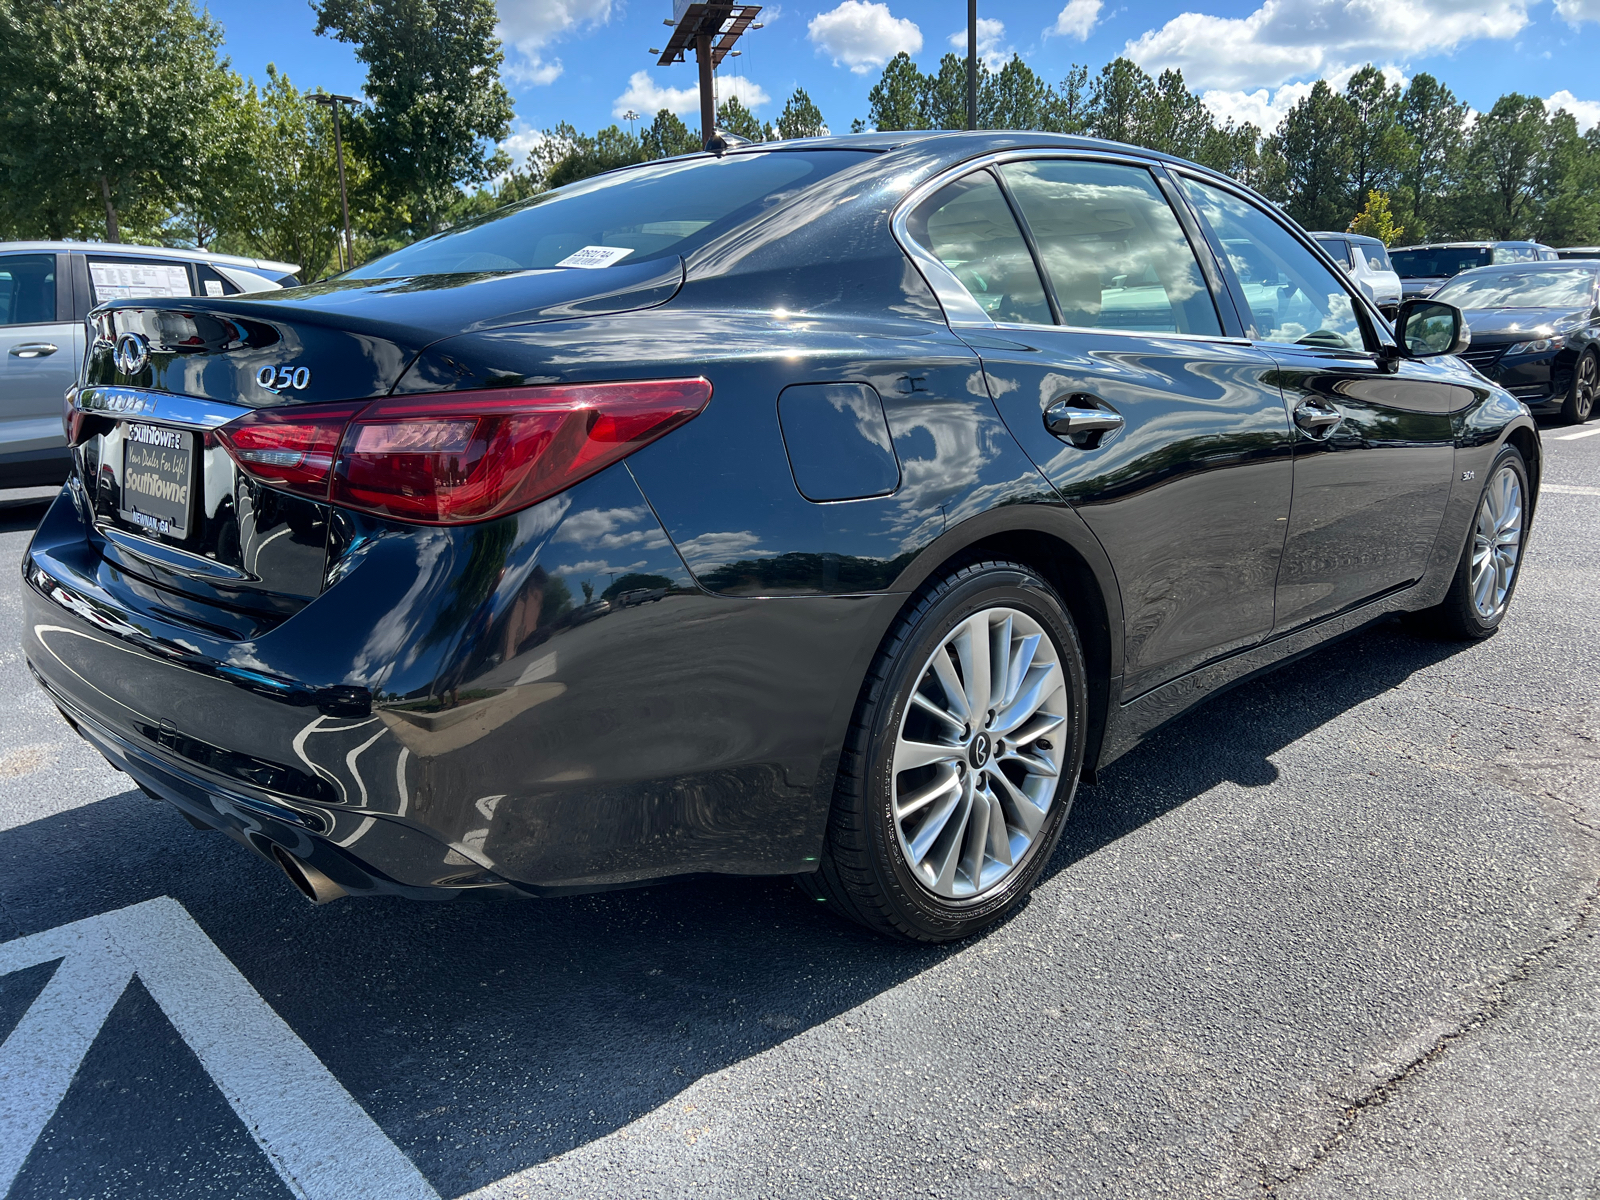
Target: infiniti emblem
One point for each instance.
(980, 750)
(133, 351)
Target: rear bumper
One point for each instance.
(450, 715)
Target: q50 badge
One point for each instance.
(281, 379)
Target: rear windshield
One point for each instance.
(661, 208)
(1533, 287)
(1415, 263)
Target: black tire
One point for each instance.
(1457, 616)
(864, 875)
(1578, 407)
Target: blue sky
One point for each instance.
(586, 61)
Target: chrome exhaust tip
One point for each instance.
(310, 882)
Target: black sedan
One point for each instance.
(1535, 332)
(950, 465)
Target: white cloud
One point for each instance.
(522, 141)
(990, 37)
(527, 26)
(1288, 39)
(863, 36)
(1076, 19)
(1265, 108)
(645, 97)
(1587, 111)
(1574, 12)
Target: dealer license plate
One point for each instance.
(157, 478)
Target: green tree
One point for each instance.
(1569, 209)
(1313, 149)
(1379, 145)
(896, 100)
(284, 204)
(566, 155)
(1067, 105)
(1175, 120)
(800, 117)
(1234, 150)
(1375, 220)
(438, 107)
(668, 137)
(1435, 124)
(1013, 98)
(733, 117)
(944, 95)
(104, 106)
(1119, 101)
(1507, 155)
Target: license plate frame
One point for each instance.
(157, 490)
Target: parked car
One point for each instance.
(1535, 332)
(1366, 260)
(1423, 269)
(46, 291)
(1566, 252)
(964, 459)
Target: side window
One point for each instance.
(212, 283)
(1292, 296)
(1377, 257)
(1112, 248)
(133, 279)
(1337, 249)
(968, 226)
(28, 289)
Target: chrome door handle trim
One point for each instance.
(1084, 426)
(1317, 418)
(33, 349)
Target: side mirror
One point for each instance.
(1429, 329)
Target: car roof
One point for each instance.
(136, 251)
(1572, 264)
(1361, 239)
(1484, 245)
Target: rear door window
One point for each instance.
(1292, 296)
(1377, 257)
(1338, 249)
(968, 226)
(28, 289)
(138, 279)
(1112, 248)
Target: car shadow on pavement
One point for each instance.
(24, 514)
(488, 1037)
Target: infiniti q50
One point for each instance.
(825, 508)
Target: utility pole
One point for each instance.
(333, 102)
(972, 64)
(710, 30)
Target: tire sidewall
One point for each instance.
(998, 586)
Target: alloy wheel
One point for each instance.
(977, 758)
(1496, 542)
(1587, 383)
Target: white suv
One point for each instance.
(46, 291)
(1366, 261)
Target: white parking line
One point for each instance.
(322, 1143)
(1569, 489)
(1582, 433)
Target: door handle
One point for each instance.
(1317, 417)
(33, 349)
(1079, 420)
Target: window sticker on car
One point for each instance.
(596, 256)
(213, 287)
(133, 280)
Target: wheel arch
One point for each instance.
(1055, 542)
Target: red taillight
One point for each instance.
(465, 456)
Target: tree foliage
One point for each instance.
(438, 107)
(801, 118)
(1375, 220)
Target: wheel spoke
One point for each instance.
(999, 835)
(916, 801)
(972, 649)
(975, 839)
(909, 755)
(1041, 724)
(1021, 660)
(999, 662)
(1029, 817)
(936, 822)
(921, 700)
(954, 696)
(945, 877)
(1042, 683)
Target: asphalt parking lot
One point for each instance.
(1330, 935)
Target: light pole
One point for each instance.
(972, 64)
(328, 100)
(630, 117)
